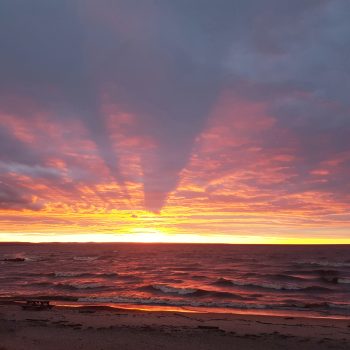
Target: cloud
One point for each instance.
(119, 93)
(11, 199)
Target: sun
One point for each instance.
(147, 235)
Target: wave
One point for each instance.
(276, 276)
(170, 302)
(327, 276)
(85, 258)
(38, 284)
(297, 306)
(343, 306)
(21, 258)
(173, 290)
(70, 274)
(33, 258)
(312, 272)
(68, 286)
(165, 289)
(13, 260)
(325, 308)
(322, 305)
(271, 286)
(85, 274)
(282, 277)
(343, 280)
(171, 280)
(87, 285)
(324, 263)
(56, 275)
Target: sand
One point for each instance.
(97, 329)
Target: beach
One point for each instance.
(104, 328)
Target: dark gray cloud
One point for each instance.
(12, 198)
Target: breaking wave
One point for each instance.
(323, 263)
(343, 280)
(165, 289)
(170, 302)
(81, 286)
(267, 285)
(85, 258)
(341, 307)
(77, 274)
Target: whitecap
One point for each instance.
(173, 290)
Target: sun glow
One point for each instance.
(148, 235)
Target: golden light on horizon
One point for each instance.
(176, 224)
(142, 235)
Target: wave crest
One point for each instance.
(87, 285)
(80, 274)
(266, 285)
(165, 289)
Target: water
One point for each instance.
(302, 279)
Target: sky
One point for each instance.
(175, 121)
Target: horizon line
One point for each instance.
(173, 243)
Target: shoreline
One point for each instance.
(76, 304)
(91, 327)
(193, 310)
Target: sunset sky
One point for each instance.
(175, 120)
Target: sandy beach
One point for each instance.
(106, 328)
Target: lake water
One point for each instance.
(247, 278)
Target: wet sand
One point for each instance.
(104, 329)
